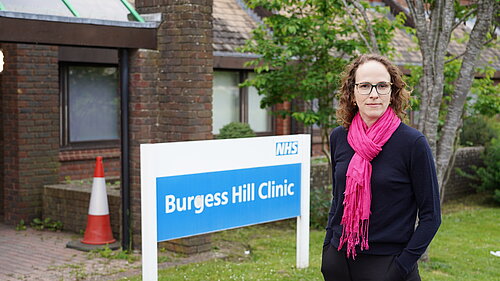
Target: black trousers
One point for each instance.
(336, 266)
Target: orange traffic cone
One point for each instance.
(98, 231)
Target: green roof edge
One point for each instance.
(132, 11)
(71, 8)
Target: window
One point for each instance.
(90, 100)
(234, 104)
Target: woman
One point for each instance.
(383, 176)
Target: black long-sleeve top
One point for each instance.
(403, 184)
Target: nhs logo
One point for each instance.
(287, 148)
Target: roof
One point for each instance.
(234, 22)
(232, 26)
(93, 23)
(112, 10)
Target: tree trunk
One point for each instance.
(434, 32)
(433, 44)
(485, 11)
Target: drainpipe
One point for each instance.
(125, 176)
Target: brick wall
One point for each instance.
(80, 164)
(30, 121)
(186, 70)
(171, 89)
(1, 143)
(458, 185)
(316, 143)
(282, 125)
(143, 125)
(320, 175)
(69, 204)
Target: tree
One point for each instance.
(435, 21)
(306, 44)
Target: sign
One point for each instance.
(197, 187)
(221, 200)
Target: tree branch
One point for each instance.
(396, 9)
(462, 54)
(373, 38)
(356, 26)
(463, 19)
(417, 12)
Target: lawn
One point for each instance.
(460, 251)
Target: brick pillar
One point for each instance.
(171, 88)
(186, 69)
(282, 125)
(30, 124)
(1, 142)
(143, 125)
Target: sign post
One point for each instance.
(197, 187)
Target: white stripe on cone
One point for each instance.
(98, 199)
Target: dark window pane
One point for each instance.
(93, 103)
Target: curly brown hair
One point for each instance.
(400, 96)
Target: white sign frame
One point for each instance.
(183, 158)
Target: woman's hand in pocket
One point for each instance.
(394, 273)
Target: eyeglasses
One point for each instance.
(382, 88)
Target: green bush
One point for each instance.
(489, 175)
(487, 178)
(321, 199)
(477, 131)
(236, 130)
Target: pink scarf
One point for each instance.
(366, 143)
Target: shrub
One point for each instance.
(235, 130)
(321, 198)
(477, 131)
(488, 176)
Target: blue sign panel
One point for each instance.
(199, 203)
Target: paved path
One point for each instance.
(42, 255)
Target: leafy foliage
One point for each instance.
(477, 130)
(321, 199)
(488, 176)
(235, 130)
(107, 253)
(21, 225)
(485, 98)
(46, 223)
(303, 49)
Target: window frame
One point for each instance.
(243, 96)
(65, 143)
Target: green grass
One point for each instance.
(460, 251)
(461, 248)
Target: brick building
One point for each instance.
(77, 84)
(66, 71)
